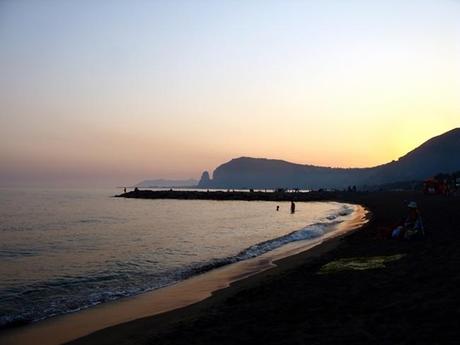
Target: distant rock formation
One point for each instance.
(439, 154)
(205, 180)
(163, 183)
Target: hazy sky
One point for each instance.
(111, 92)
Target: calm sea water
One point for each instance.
(63, 250)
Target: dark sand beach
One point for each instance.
(411, 300)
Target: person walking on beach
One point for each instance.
(292, 207)
(278, 207)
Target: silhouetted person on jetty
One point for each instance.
(124, 190)
(292, 207)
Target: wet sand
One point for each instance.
(65, 328)
(414, 300)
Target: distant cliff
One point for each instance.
(439, 154)
(205, 180)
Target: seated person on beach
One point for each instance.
(412, 227)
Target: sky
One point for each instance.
(105, 93)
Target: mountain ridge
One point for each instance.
(438, 154)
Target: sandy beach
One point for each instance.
(411, 300)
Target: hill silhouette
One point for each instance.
(439, 154)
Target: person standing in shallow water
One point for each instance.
(292, 207)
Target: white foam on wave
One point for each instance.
(309, 232)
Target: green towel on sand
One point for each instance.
(358, 264)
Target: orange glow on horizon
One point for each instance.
(172, 93)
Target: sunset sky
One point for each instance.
(112, 92)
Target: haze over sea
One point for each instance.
(63, 250)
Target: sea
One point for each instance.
(63, 250)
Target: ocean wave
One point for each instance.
(307, 233)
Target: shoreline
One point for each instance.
(184, 294)
(411, 300)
